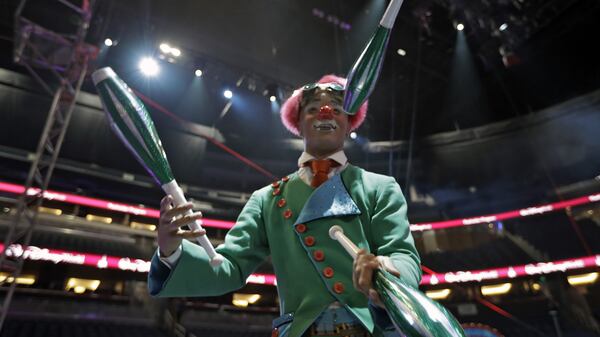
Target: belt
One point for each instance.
(333, 322)
(338, 330)
(337, 322)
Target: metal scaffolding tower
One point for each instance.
(61, 58)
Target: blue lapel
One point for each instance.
(328, 200)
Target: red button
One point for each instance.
(281, 203)
(275, 184)
(276, 191)
(328, 272)
(287, 213)
(285, 179)
(338, 287)
(300, 228)
(275, 333)
(319, 255)
(309, 240)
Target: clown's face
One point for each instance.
(323, 123)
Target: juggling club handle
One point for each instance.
(175, 191)
(337, 233)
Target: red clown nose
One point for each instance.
(325, 112)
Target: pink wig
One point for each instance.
(290, 110)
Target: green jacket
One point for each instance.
(289, 221)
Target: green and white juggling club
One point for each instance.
(130, 120)
(363, 75)
(413, 313)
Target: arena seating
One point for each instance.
(74, 328)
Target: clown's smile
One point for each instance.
(325, 126)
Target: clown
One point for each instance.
(322, 291)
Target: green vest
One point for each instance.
(289, 221)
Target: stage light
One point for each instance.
(460, 27)
(198, 72)
(165, 48)
(353, 135)
(272, 91)
(148, 66)
(401, 52)
(228, 94)
(108, 42)
(503, 27)
(175, 52)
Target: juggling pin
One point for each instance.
(363, 75)
(413, 313)
(130, 120)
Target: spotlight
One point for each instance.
(148, 66)
(165, 48)
(108, 42)
(271, 91)
(503, 26)
(353, 135)
(175, 52)
(228, 94)
(198, 72)
(401, 52)
(460, 27)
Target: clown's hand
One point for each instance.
(364, 268)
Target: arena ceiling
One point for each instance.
(513, 59)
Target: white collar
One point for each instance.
(339, 157)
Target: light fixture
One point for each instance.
(23, 279)
(503, 27)
(48, 210)
(148, 66)
(141, 225)
(438, 294)
(165, 48)
(97, 218)
(272, 91)
(401, 52)
(577, 280)
(108, 42)
(80, 285)
(460, 27)
(198, 72)
(228, 94)
(353, 135)
(497, 289)
(175, 52)
(242, 300)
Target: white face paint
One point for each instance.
(328, 125)
(323, 124)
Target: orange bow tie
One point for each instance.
(321, 169)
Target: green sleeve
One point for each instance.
(391, 231)
(245, 247)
